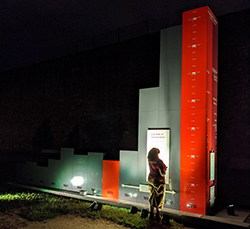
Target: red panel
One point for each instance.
(215, 93)
(197, 112)
(193, 161)
(209, 105)
(212, 26)
(110, 179)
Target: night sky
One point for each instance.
(32, 27)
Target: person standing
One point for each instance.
(156, 183)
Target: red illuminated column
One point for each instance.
(212, 85)
(110, 179)
(198, 110)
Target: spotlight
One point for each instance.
(93, 191)
(230, 209)
(165, 219)
(95, 206)
(83, 192)
(133, 210)
(144, 213)
(98, 207)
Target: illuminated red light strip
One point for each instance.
(196, 108)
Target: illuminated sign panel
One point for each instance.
(212, 196)
(212, 166)
(159, 138)
(198, 109)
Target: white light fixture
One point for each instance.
(83, 192)
(77, 181)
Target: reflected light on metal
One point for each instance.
(83, 192)
(77, 181)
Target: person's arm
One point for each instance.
(163, 169)
(162, 174)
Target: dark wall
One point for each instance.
(234, 109)
(88, 101)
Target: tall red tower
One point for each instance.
(198, 110)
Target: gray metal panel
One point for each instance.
(174, 123)
(170, 103)
(170, 68)
(143, 197)
(128, 194)
(80, 170)
(146, 120)
(41, 175)
(54, 170)
(148, 99)
(172, 201)
(95, 164)
(66, 168)
(128, 167)
(128, 175)
(164, 111)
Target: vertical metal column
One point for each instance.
(196, 108)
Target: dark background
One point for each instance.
(88, 101)
(84, 94)
(31, 30)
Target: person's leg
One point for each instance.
(151, 214)
(157, 214)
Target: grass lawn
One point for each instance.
(37, 206)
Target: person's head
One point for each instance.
(153, 154)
